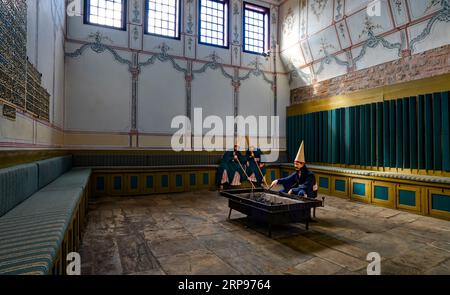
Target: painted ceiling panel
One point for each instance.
(372, 33)
(342, 32)
(289, 26)
(419, 8)
(399, 12)
(320, 15)
(338, 9)
(353, 6)
(293, 57)
(379, 54)
(333, 68)
(324, 42)
(306, 51)
(360, 24)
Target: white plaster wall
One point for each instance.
(98, 93)
(256, 98)
(162, 96)
(162, 92)
(212, 92)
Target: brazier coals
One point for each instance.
(271, 207)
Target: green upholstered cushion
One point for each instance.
(77, 177)
(412, 177)
(31, 233)
(16, 185)
(51, 169)
(341, 170)
(49, 200)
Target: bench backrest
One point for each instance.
(50, 169)
(16, 185)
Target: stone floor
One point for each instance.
(189, 234)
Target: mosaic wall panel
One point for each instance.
(20, 81)
(13, 53)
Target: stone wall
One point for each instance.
(427, 64)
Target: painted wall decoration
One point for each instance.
(340, 36)
(195, 73)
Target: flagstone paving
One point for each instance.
(189, 233)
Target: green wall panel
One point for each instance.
(165, 181)
(357, 132)
(347, 136)
(320, 138)
(421, 132)
(352, 136)
(149, 181)
(407, 198)
(100, 183)
(440, 202)
(392, 134)
(399, 130)
(363, 131)
(381, 192)
(324, 136)
(437, 128)
(406, 147)
(359, 189)
(386, 133)
(342, 138)
(330, 137)
(117, 183)
(134, 182)
(339, 185)
(178, 180)
(205, 178)
(373, 135)
(428, 119)
(192, 179)
(380, 135)
(445, 106)
(334, 140)
(413, 132)
(323, 182)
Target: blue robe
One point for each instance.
(300, 184)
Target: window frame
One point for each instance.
(177, 25)
(226, 29)
(86, 16)
(266, 30)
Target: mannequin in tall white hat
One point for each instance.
(302, 182)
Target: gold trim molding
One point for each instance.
(411, 88)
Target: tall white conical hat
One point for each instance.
(300, 158)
